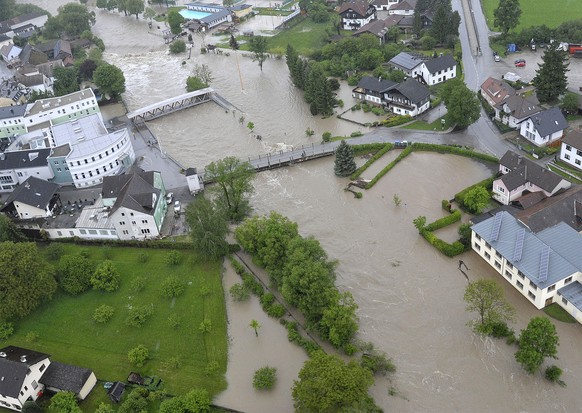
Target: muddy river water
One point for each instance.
(409, 295)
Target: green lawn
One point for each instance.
(422, 125)
(538, 12)
(557, 312)
(67, 332)
(306, 37)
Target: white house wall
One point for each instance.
(89, 384)
(30, 387)
(528, 131)
(28, 211)
(131, 224)
(571, 155)
(84, 233)
(438, 77)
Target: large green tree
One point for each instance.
(339, 323)
(64, 402)
(570, 103)
(485, 297)
(258, 45)
(135, 7)
(7, 9)
(66, 80)
(175, 20)
(72, 20)
(507, 15)
(233, 181)
(105, 277)
(463, 107)
(110, 80)
(25, 280)
(550, 79)
(9, 231)
(195, 401)
(74, 274)
(536, 342)
(344, 165)
(318, 91)
(328, 385)
(208, 225)
(477, 199)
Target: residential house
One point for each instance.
(20, 374)
(23, 24)
(10, 54)
(439, 69)
(545, 266)
(137, 203)
(521, 176)
(409, 63)
(356, 13)
(378, 28)
(11, 122)
(496, 91)
(371, 89)
(64, 377)
(403, 8)
(516, 109)
(57, 50)
(17, 167)
(34, 198)
(545, 127)
(5, 40)
(384, 4)
(571, 149)
(408, 98)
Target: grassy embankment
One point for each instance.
(67, 332)
(538, 12)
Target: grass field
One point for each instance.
(68, 333)
(538, 12)
(306, 37)
(557, 312)
(422, 125)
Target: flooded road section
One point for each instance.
(410, 296)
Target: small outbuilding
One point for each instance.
(64, 377)
(115, 392)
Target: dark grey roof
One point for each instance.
(549, 121)
(215, 16)
(134, 191)
(440, 63)
(359, 6)
(524, 170)
(116, 391)
(413, 90)
(8, 112)
(190, 171)
(65, 377)
(406, 21)
(375, 85)
(404, 5)
(13, 370)
(521, 107)
(375, 27)
(34, 192)
(3, 38)
(573, 294)
(24, 159)
(406, 60)
(574, 138)
(559, 267)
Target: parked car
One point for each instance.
(520, 63)
(170, 198)
(177, 207)
(496, 57)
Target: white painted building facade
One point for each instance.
(571, 149)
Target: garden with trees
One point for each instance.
(118, 310)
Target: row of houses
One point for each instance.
(22, 26)
(63, 140)
(26, 374)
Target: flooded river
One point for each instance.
(409, 295)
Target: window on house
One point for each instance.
(566, 156)
(145, 231)
(133, 223)
(568, 280)
(82, 231)
(579, 153)
(498, 255)
(510, 265)
(487, 255)
(520, 274)
(125, 232)
(508, 274)
(552, 288)
(144, 221)
(531, 295)
(498, 265)
(519, 285)
(568, 148)
(121, 222)
(531, 284)
(577, 161)
(123, 214)
(477, 247)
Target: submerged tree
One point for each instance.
(485, 297)
(208, 224)
(550, 80)
(110, 80)
(344, 160)
(258, 45)
(536, 342)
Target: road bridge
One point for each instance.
(187, 100)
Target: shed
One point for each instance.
(64, 377)
(116, 391)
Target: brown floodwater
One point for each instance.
(410, 297)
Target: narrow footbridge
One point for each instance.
(285, 158)
(187, 100)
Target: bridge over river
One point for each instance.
(187, 100)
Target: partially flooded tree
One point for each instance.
(485, 297)
(233, 179)
(345, 165)
(208, 227)
(258, 45)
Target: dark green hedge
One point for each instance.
(446, 205)
(455, 216)
(450, 250)
(455, 150)
(295, 337)
(367, 148)
(173, 245)
(391, 165)
(387, 147)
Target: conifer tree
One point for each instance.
(550, 80)
(344, 160)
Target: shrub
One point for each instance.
(173, 258)
(267, 299)
(350, 349)
(356, 134)
(106, 277)
(179, 46)
(265, 378)
(205, 326)
(450, 250)
(378, 111)
(142, 257)
(446, 205)
(500, 329)
(276, 310)
(252, 284)
(74, 274)
(326, 137)
(174, 320)
(31, 336)
(103, 313)
(137, 356)
(455, 216)
(54, 251)
(138, 284)
(239, 292)
(465, 235)
(455, 150)
(377, 363)
(172, 287)
(384, 148)
(212, 368)
(6, 330)
(358, 195)
(366, 148)
(294, 337)
(460, 196)
(238, 267)
(139, 315)
(396, 120)
(174, 363)
(553, 374)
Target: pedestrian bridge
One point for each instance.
(187, 100)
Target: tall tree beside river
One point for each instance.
(550, 80)
(344, 160)
(258, 45)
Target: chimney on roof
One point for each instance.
(380, 79)
(23, 358)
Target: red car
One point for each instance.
(520, 63)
